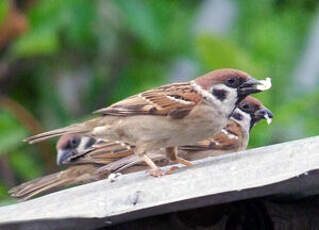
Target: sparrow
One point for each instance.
(168, 116)
(89, 155)
(232, 138)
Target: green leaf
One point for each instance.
(49, 12)
(4, 197)
(133, 79)
(36, 42)
(218, 53)
(11, 139)
(141, 21)
(25, 166)
(4, 10)
(11, 132)
(78, 29)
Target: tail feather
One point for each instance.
(72, 129)
(34, 187)
(32, 193)
(72, 176)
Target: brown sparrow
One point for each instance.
(169, 116)
(92, 155)
(235, 136)
(74, 149)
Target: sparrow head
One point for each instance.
(230, 85)
(70, 146)
(250, 111)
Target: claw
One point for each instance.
(171, 170)
(157, 172)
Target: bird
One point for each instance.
(74, 149)
(168, 116)
(95, 159)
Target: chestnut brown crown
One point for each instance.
(255, 109)
(250, 104)
(231, 77)
(68, 141)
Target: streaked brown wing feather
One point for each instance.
(103, 152)
(162, 101)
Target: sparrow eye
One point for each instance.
(232, 82)
(74, 142)
(245, 107)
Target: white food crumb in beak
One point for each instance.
(265, 84)
(269, 120)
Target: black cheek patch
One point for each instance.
(90, 142)
(220, 94)
(237, 116)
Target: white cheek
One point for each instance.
(227, 105)
(231, 95)
(245, 121)
(83, 143)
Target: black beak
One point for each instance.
(64, 156)
(249, 87)
(260, 114)
(264, 113)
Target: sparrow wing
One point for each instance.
(175, 100)
(103, 152)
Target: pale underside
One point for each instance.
(153, 132)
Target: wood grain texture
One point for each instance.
(285, 169)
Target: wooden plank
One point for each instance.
(288, 168)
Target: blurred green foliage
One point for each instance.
(11, 132)
(81, 55)
(4, 9)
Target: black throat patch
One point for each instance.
(237, 116)
(220, 94)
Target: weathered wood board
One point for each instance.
(290, 168)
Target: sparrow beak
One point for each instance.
(264, 113)
(254, 86)
(64, 156)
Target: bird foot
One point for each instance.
(157, 172)
(171, 170)
(183, 161)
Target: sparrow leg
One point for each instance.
(171, 153)
(155, 171)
